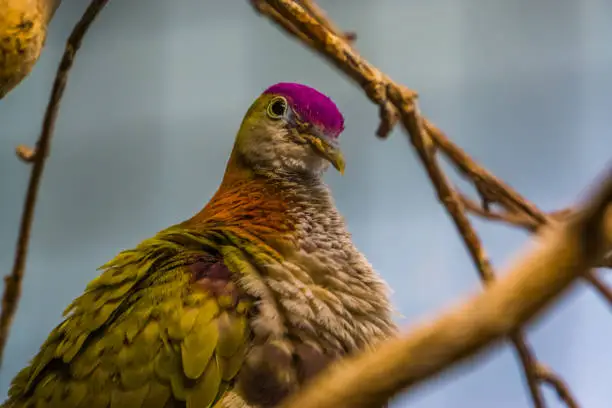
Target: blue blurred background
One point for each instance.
(158, 92)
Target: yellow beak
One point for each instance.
(329, 152)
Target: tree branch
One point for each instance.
(319, 14)
(397, 103)
(38, 156)
(519, 211)
(561, 254)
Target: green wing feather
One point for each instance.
(141, 335)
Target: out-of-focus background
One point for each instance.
(158, 92)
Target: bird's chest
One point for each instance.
(320, 298)
(321, 290)
(308, 317)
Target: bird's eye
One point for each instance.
(277, 108)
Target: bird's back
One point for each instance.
(162, 326)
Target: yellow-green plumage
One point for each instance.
(142, 335)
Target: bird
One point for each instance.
(23, 33)
(238, 306)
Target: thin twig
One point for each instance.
(12, 288)
(522, 220)
(515, 219)
(397, 102)
(529, 364)
(548, 377)
(504, 194)
(602, 288)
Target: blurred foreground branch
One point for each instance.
(398, 104)
(38, 156)
(560, 255)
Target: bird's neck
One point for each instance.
(267, 202)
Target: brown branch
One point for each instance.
(399, 103)
(560, 386)
(530, 366)
(601, 287)
(12, 288)
(524, 221)
(507, 217)
(499, 191)
(530, 216)
(265, 9)
(406, 105)
(319, 14)
(561, 254)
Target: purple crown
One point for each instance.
(312, 106)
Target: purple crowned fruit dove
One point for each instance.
(239, 305)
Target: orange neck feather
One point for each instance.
(249, 201)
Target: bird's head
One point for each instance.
(293, 128)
